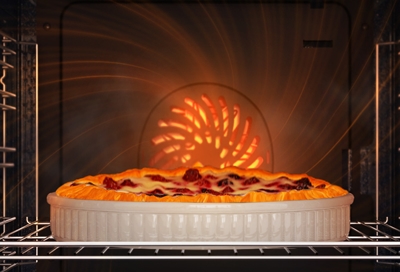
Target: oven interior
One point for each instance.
(95, 87)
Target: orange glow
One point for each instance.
(257, 163)
(198, 109)
(250, 150)
(159, 139)
(185, 158)
(198, 148)
(189, 146)
(188, 115)
(167, 137)
(171, 148)
(245, 134)
(238, 163)
(223, 153)
(253, 146)
(212, 109)
(225, 164)
(198, 164)
(208, 137)
(236, 121)
(198, 138)
(170, 162)
(225, 115)
(170, 123)
(217, 142)
(158, 156)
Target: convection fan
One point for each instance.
(205, 124)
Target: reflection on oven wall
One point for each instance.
(302, 92)
(102, 80)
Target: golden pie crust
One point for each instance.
(91, 187)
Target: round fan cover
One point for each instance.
(205, 124)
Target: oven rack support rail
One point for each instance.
(4, 94)
(5, 107)
(366, 241)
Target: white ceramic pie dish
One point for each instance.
(296, 220)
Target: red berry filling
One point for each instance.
(272, 184)
(209, 191)
(110, 184)
(303, 183)
(157, 192)
(184, 191)
(251, 180)
(157, 178)
(268, 190)
(128, 182)
(210, 177)
(203, 183)
(235, 176)
(286, 187)
(227, 190)
(224, 182)
(191, 175)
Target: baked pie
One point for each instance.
(199, 184)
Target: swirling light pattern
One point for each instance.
(201, 130)
(202, 126)
(121, 58)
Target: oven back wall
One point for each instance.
(291, 90)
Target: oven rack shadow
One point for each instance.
(33, 242)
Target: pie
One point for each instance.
(199, 184)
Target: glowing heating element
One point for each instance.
(204, 129)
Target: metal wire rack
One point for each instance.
(5, 107)
(366, 241)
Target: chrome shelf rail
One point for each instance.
(4, 107)
(367, 241)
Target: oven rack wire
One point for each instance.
(366, 241)
(5, 94)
